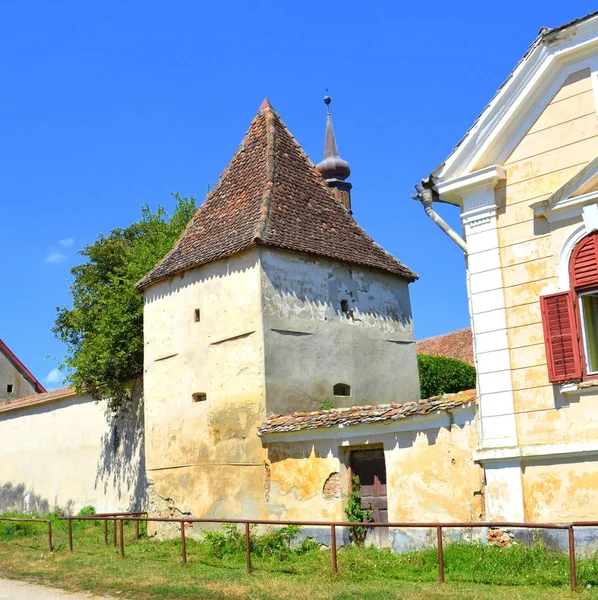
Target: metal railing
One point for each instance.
(438, 527)
(48, 523)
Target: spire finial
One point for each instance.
(327, 101)
(333, 168)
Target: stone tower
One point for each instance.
(273, 300)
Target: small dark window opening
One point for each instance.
(9, 388)
(341, 389)
(200, 397)
(197, 315)
(345, 306)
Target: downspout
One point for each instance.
(426, 194)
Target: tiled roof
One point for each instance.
(457, 344)
(58, 394)
(358, 415)
(25, 372)
(271, 194)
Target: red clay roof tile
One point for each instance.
(457, 344)
(59, 394)
(271, 194)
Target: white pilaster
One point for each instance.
(504, 499)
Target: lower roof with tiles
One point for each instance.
(359, 415)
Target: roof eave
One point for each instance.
(487, 137)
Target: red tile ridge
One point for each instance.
(58, 394)
(441, 335)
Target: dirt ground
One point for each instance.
(17, 590)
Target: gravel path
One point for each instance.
(17, 590)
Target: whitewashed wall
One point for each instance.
(69, 453)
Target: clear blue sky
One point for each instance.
(109, 105)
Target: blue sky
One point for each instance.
(109, 105)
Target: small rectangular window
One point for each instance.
(9, 388)
(197, 315)
(200, 397)
(589, 318)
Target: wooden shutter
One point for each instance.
(584, 263)
(560, 337)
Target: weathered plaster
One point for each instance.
(560, 490)
(310, 344)
(430, 471)
(71, 453)
(205, 455)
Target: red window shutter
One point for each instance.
(560, 337)
(584, 263)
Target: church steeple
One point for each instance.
(333, 168)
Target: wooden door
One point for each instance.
(370, 467)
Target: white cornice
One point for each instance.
(565, 209)
(539, 451)
(516, 104)
(454, 190)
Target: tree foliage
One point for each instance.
(103, 330)
(439, 375)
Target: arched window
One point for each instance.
(570, 318)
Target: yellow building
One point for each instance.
(525, 177)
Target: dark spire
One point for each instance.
(333, 168)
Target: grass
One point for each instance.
(152, 569)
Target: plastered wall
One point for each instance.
(310, 344)
(204, 457)
(71, 453)
(561, 142)
(430, 471)
(9, 375)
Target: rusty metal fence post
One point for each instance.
(122, 537)
(440, 554)
(50, 545)
(115, 539)
(70, 530)
(333, 547)
(106, 532)
(572, 570)
(137, 536)
(183, 544)
(248, 546)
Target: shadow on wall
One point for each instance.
(16, 499)
(122, 455)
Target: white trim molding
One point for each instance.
(568, 208)
(535, 451)
(565, 256)
(524, 95)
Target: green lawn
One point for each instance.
(152, 569)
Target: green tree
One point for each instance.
(103, 330)
(439, 375)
